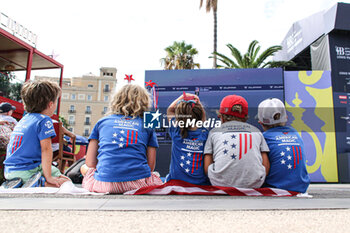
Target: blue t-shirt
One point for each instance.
(187, 159)
(287, 160)
(24, 149)
(122, 151)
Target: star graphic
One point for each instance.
(289, 166)
(115, 135)
(122, 131)
(282, 153)
(233, 136)
(233, 156)
(156, 115)
(121, 139)
(187, 170)
(182, 157)
(289, 157)
(189, 154)
(233, 146)
(283, 161)
(288, 148)
(225, 152)
(181, 164)
(188, 162)
(225, 142)
(114, 141)
(121, 145)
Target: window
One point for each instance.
(105, 109)
(90, 85)
(65, 96)
(71, 120)
(88, 110)
(81, 96)
(86, 132)
(106, 98)
(106, 89)
(89, 97)
(87, 121)
(73, 97)
(71, 129)
(72, 107)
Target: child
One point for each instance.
(121, 154)
(7, 124)
(287, 155)
(187, 141)
(235, 153)
(29, 153)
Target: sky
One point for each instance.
(131, 35)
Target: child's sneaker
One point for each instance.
(13, 183)
(35, 181)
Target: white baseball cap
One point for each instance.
(268, 109)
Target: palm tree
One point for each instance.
(180, 56)
(212, 5)
(251, 58)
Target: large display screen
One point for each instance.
(255, 85)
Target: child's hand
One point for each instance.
(54, 181)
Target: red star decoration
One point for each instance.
(150, 84)
(129, 78)
(187, 98)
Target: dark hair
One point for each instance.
(37, 95)
(185, 111)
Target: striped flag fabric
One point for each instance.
(179, 187)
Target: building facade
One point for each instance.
(85, 99)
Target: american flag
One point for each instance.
(291, 156)
(17, 142)
(124, 137)
(180, 187)
(237, 144)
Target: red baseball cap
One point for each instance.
(229, 101)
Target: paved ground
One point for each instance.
(327, 211)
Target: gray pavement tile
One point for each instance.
(50, 203)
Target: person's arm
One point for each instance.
(265, 162)
(171, 109)
(68, 133)
(91, 155)
(46, 161)
(208, 159)
(151, 157)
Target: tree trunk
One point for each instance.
(215, 39)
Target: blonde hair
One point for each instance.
(36, 95)
(130, 100)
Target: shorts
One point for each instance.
(93, 185)
(25, 175)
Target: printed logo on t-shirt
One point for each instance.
(291, 156)
(48, 124)
(124, 137)
(192, 155)
(237, 144)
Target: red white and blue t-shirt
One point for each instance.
(187, 159)
(24, 149)
(123, 143)
(287, 160)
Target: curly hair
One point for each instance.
(188, 111)
(36, 95)
(130, 100)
